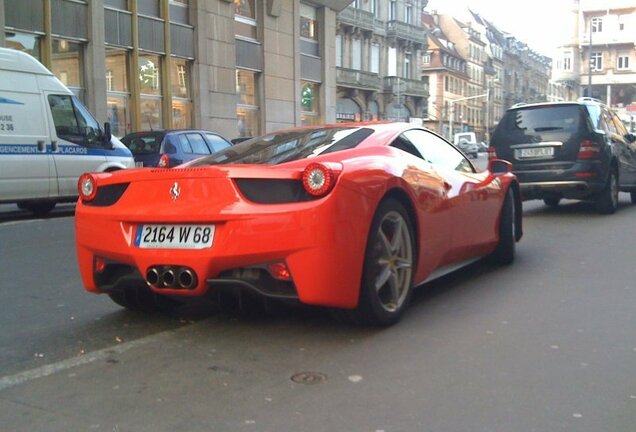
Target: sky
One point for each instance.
(542, 24)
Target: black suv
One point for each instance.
(579, 150)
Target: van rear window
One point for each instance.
(544, 119)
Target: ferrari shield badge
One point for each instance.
(175, 191)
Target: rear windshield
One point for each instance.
(283, 147)
(544, 119)
(143, 144)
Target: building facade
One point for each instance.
(379, 44)
(238, 67)
(599, 58)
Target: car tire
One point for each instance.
(607, 199)
(140, 298)
(504, 253)
(552, 201)
(389, 262)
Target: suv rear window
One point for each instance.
(535, 120)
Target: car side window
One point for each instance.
(407, 146)
(438, 151)
(198, 143)
(185, 144)
(216, 142)
(73, 122)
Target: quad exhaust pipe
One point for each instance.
(171, 277)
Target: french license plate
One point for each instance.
(535, 152)
(174, 236)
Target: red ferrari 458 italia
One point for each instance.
(348, 216)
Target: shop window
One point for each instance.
(245, 19)
(28, 43)
(67, 64)
(117, 93)
(181, 93)
(149, 75)
(247, 109)
(310, 103)
(308, 22)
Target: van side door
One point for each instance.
(77, 148)
(26, 165)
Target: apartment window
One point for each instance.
(374, 6)
(426, 58)
(621, 22)
(567, 61)
(356, 54)
(623, 62)
(117, 91)
(375, 58)
(245, 19)
(150, 89)
(181, 94)
(356, 4)
(338, 50)
(309, 103)
(391, 62)
(67, 64)
(596, 61)
(247, 109)
(392, 10)
(407, 66)
(408, 14)
(597, 24)
(308, 22)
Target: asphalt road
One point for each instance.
(543, 345)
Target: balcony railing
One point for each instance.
(405, 86)
(402, 30)
(609, 38)
(358, 79)
(355, 17)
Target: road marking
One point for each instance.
(53, 368)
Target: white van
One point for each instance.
(47, 137)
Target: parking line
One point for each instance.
(53, 368)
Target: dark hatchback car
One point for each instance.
(577, 150)
(169, 148)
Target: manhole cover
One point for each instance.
(309, 378)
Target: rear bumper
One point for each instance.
(580, 181)
(321, 242)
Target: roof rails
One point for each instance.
(518, 104)
(588, 99)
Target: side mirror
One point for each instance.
(499, 166)
(107, 135)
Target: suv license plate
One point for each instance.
(174, 236)
(536, 152)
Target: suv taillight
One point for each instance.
(164, 161)
(589, 150)
(492, 153)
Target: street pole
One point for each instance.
(450, 121)
(487, 134)
(589, 69)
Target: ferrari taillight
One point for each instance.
(164, 161)
(318, 179)
(588, 150)
(87, 187)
